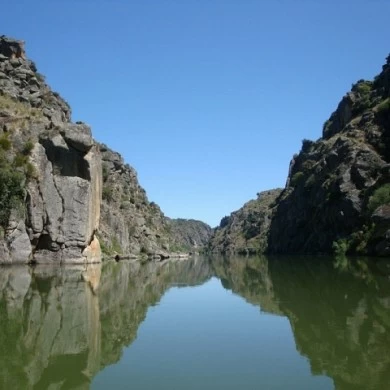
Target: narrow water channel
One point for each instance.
(203, 323)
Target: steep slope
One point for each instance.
(338, 189)
(50, 170)
(337, 196)
(246, 230)
(189, 234)
(56, 181)
(130, 224)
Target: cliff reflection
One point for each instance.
(60, 326)
(340, 320)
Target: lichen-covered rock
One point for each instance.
(130, 224)
(189, 234)
(57, 162)
(245, 231)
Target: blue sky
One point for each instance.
(207, 99)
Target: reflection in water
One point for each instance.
(60, 326)
(340, 320)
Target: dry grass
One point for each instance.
(17, 113)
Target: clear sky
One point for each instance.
(207, 99)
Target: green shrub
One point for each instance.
(20, 160)
(340, 247)
(115, 246)
(27, 148)
(11, 191)
(296, 179)
(5, 143)
(306, 144)
(363, 87)
(105, 172)
(384, 106)
(380, 196)
(108, 193)
(30, 171)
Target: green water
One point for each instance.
(204, 323)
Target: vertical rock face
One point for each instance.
(59, 166)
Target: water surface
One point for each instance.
(204, 323)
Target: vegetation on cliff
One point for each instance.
(246, 231)
(188, 234)
(337, 192)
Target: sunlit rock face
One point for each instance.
(60, 166)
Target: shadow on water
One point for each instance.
(61, 326)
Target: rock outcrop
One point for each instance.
(130, 224)
(337, 195)
(56, 181)
(338, 184)
(189, 234)
(246, 230)
(50, 168)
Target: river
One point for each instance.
(202, 323)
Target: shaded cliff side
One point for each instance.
(337, 195)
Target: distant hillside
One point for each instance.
(189, 234)
(246, 230)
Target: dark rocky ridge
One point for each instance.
(337, 194)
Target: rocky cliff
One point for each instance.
(245, 231)
(50, 170)
(337, 196)
(338, 189)
(130, 224)
(189, 234)
(62, 193)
